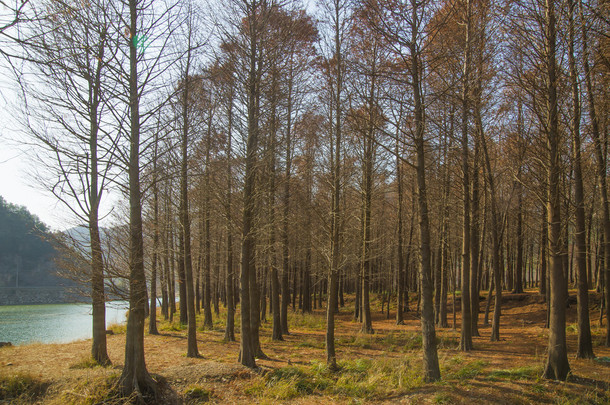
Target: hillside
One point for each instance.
(26, 255)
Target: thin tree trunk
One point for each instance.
(230, 320)
(207, 291)
(466, 328)
(331, 357)
(285, 235)
(475, 244)
(152, 326)
(99, 351)
(185, 223)
(496, 241)
(401, 263)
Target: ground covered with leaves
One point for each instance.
(385, 367)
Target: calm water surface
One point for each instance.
(58, 323)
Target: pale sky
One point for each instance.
(16, 169)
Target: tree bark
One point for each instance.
(466, 328)
(135, 377)
(185, 222)
(601, 168)
(207, 292)
(248, 269)
(230, 320)
(585, 346)
(152, 321)
(401, 264)
(431, 367)
(99, 351)
(557, 366)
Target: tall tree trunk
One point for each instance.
(164, 266)
(285, 301)
(496, 240)
(366, 266)
(255, 309)
(248, 269)
(557, 366)
(171, 281)
(585, 346)
(285, 235)
(333, 276)
(475, 244)
(543, 256)
(431, 367)
(135, 377)
(207, 292)
(601, 168)
(275, 284)
(185, 222)
(400, 254)
(99, 351)
(230, 320)
(518, 285)
(519, 267)
(182, 304)
(152, 325)
(466, 329)
(444, 235)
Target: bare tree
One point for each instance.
(557, 366)
(68, 115)
(585, 346)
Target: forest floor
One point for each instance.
(385, 367)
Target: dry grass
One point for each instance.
(384, 367)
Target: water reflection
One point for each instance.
(58, 323)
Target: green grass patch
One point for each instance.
(467, 371)
(117, 328)
(174, 326)
(311, 343)
(394, 341)
(538, 389)
(287, 383)
(357, 379)
(306, 321)
(21, 386)
(442, 398)
(84, 363)
(519, 373)
(196, 392)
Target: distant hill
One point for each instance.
(26, 254)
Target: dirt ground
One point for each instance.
(490, 374)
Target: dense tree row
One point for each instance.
(277, 160)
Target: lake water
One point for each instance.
(58, 323)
